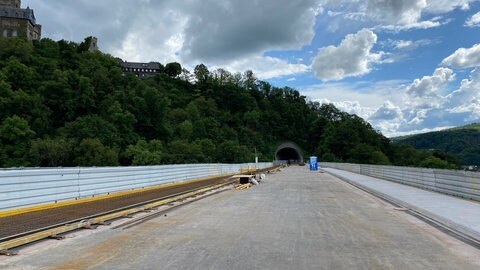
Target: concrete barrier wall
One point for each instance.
(26, 187)
(458, 183)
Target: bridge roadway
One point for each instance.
(295, 220)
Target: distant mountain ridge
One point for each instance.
(463, 142)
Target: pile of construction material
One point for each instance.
(249, 180)
(242, 187)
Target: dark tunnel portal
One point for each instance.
(289, 152)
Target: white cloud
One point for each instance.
(388, 111)
(395, 12)
(353, 57)
(392, 15)
(428, 86)
(473, 21)
(418, 117)
(402, 44)
(408, 11)
(139, 45)
(368, 94)
(471, 109)
(400, 108)
(467, 96)
(444, 6)
(406, 44)
(265, 67)
(379, 11)
(421, 106)
(464, 58)
(425, 94)
(427, 108)
(362, 98)
(413, 25)
(388, 118)
(221, 31)
(351, 107)
(397, 133)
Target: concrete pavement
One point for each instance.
(458, 213)
(295, 220)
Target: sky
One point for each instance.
(404, 66)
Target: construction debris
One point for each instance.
(242, 187)
(7, 252)
(246, 181)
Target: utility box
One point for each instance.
(313, 164)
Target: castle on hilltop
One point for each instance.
(18, 22)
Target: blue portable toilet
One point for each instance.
(313, 164)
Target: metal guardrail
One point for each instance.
(452, 182)
(32, 186)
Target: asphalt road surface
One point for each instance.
(296, 219)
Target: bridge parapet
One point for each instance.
(463, 184)
(34, 186)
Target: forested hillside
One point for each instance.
(61, 105)
(462, 142)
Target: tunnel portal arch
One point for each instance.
(289, 152)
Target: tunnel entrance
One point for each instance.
(289, 152)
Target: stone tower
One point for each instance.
(93, 47)
(11, 3)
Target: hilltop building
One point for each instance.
(18, 22)
(93, 47)
(141, 70)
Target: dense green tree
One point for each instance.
(143, 153)
(186, 75)
(173, 69)
(91, 127)
(201, 73)
(18, 75)
(434, 162)
(18, 48)
(52, 152)
(208, 150)
(91, 152)
(231, 152)
(15, 141)
(181, 152)
(123, 122)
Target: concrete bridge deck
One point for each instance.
(457, 213)
(295, 220)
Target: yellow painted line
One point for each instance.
(78, 225)
(58, 204)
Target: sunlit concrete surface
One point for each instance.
(460, 214)
(295, 220)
